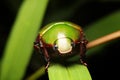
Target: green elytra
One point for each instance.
(50, 32)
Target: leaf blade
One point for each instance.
(73, 72)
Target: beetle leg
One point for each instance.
(46, 67)
(83, 43)
(42, 50)
(47, 58)
(82, 53)
(45, 53)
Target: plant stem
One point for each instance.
(104, 39)
(37, 74)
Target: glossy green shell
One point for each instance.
(50, 32)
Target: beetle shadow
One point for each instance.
(66, 61)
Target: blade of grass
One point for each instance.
(20, 43)
(73, 72)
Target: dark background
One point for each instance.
(103, 66)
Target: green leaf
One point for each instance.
(20, 43)
(102, 27)
(72, 72)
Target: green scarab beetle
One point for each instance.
(61, 39)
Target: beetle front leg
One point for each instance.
(82, 53)
(42, 50)
(47, 58)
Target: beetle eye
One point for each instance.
(55, 47)
(72, 44)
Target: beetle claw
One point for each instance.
(84, 63)
(46, 67)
